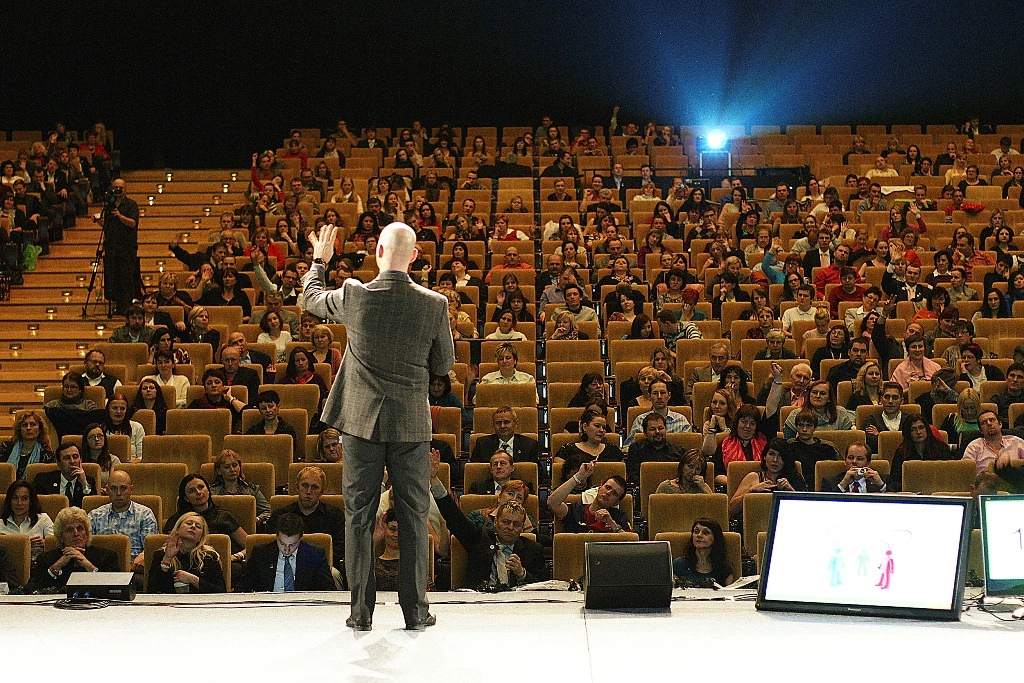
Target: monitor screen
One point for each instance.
(1002, 519)
(883, 555)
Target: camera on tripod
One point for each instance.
(109, 200)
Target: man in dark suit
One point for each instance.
(317, 516)
(287, 565)
(912, 289)
(496, 558)
(370, 141)
(235, 374)
(70, 479)
(821, 255)
(859, 477)
(891, 418)
(502, 470)
(948, 158)
(379, 404)
(505, 422)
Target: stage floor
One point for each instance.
(514, 636)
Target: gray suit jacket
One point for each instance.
(398, 335)
(701, 374)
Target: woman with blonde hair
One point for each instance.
(322, 351)
(960, 424)
(721, 412)
(328, 446)
(822, 318)
(228, 481)
(566, 327)
(186, 564)
(29, 445)
(867, 386)
(199, 330)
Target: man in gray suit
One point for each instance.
(718, 358)
(398, 336)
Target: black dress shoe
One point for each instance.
(422, 624)
(358, 624)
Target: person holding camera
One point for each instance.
(859, 477)
(120, 220)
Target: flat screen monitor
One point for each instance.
(1002, 520)
(877, 555)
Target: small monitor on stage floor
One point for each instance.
(1002, 519)
(866, 554)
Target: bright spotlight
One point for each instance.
(717, 139)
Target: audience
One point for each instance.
(736, 426)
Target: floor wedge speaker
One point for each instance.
(628, 575)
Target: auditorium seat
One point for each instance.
(676, 512)
(192, 450)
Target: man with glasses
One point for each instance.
(236, 375)
(95, 361)
(806, 448)
(251, 356)
(708, 228)
(718, 358)
(1003, 450)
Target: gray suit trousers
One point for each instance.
(408, 466)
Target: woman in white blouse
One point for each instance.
(22, 515)
(165, 377)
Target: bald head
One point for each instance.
(119, 490)
(396, 247)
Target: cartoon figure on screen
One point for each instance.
(888, 567)
(862, 563)
(835, 568)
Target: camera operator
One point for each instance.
(120, 219)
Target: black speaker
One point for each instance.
(625, 575)
(101, 585)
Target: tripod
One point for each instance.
(96, 266)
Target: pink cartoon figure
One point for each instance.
(887, 568)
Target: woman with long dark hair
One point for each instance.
(96, 449)
(704, 562)
(118, 422)
(22, 514)
(778, 473)
(746, 442)
(300, 370)
(592, 387)
(194, 496)
(920, 442)
(150, 397)
(837, 346)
